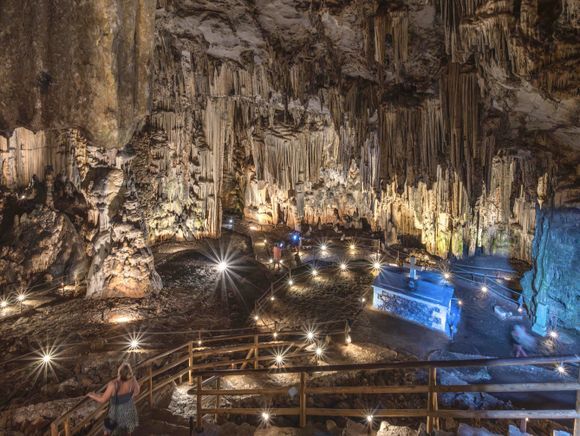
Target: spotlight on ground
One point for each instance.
(310, 334)
(134, 341)
(265, 417)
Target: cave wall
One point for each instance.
(414, 116)
(74, 88)
(551, 287)
(452, 121)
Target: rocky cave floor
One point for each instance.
(90, 337)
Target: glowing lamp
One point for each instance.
(270, 260)
(363, 300)
(21, 297)
(281, 261)
(275, 335)
(134, 344)
(348, 340)
(343, 266)
(46, 358)
(265, 241)
(520, 309)
(314, 272)
(553, 334)
(290, 282)
(222, 266)
(318, 351)
(324, 247)
(369, 418)
(377, 265)
(265, 416)
(446, 275)
(231, 221)
(3, 304)
(310, 335)
(561, 369)
(484, 288)
(199, 343)
(272, 298)
(352, 246)
(256, 318)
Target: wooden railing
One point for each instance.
(432, 412)
(173, 365)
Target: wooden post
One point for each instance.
(302, 400)
(430, 399)
(577, 420)
(217, 398)
(190, 350)
(67, 426)
(150, 375)
(198, 406)
(256, 351)
(53, 429)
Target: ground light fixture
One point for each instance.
(370, 419)
(323, 247)
(290, 282)
(21, 297)
(343, 266)
(446, 275)
(314, 272)
(256, 318)
(553, 334)
(484, 289)
(265, 417)
(4, 304)
(222, 266)
(377, 265)
(363, 300)
(352, 247)
(561, 369)
(459, 302)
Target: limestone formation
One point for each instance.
(451, 122)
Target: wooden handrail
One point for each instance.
(183, 356)
(493, 362)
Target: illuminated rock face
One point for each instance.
(452, 123)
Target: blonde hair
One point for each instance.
(125, 371)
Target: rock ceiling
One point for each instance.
(451, 121)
